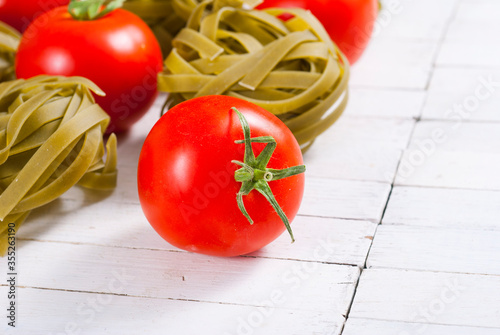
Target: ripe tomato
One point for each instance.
(186, 177)
(19, 13)
(118, 52)
(348, 22)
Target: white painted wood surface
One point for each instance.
(428, 297)
(378, 251)
(437, 207)
(435, 249)
(355, 326)
(61, 312)
(452, 86)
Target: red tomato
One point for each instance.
(348, 22)
(118, 52)
(19, 13)
(186, 179)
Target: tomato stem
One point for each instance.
(254, 174)
(87, 10)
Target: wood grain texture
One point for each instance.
(434, 207)
(403, 20)
(365, 102)
(482, 51)
(464, 137)
(478, 54)
(395, 63)
(47, 312)
(428, 297)
(346, 241)
(344, 199)
(447, 95)
(449, 169)
(436, 249)
(359, 149)
(90, 263)
(186, 276)
(355, 326)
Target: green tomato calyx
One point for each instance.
(254, 174)
(87, 10)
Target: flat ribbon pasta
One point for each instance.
(51, 138)
(9, 41)
(289, 67)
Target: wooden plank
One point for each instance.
(436, 249)
(51, 312)
(449, 169)
(311, 286)
(428, 297)
(472, 53)
(344, 199)
(466, 27)
(433, 207)
(366, 131)
(387, 103)
(355, 326)
(464, 137)
(352, 162)
(452, 88)
(478, 11)
(473, 18)
(359, 149)
(68, 221)
(395, 63)
(403, 19)
(324, 240)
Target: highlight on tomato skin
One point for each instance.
(118, 52)
(186, 177)
(348, 22)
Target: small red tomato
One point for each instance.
(348, 22)
(188, 171)
(118, 52)
(19, 13)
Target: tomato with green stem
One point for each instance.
(108, 45)
(219, 175)
(348, 22)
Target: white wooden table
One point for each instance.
(397, 234)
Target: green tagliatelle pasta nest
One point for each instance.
(289, 67)
(167, 17)
(161, 18)
(51, 138)
(9, 41)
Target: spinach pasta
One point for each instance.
(9, 41)
(289, 67)
(51, 138)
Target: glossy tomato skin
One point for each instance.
(186, 179)
(348, 22)
(118, 52)
(19, 13)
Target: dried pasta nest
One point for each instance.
(51, 138)
(280, 59)
(165, 17)
(9, 41)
